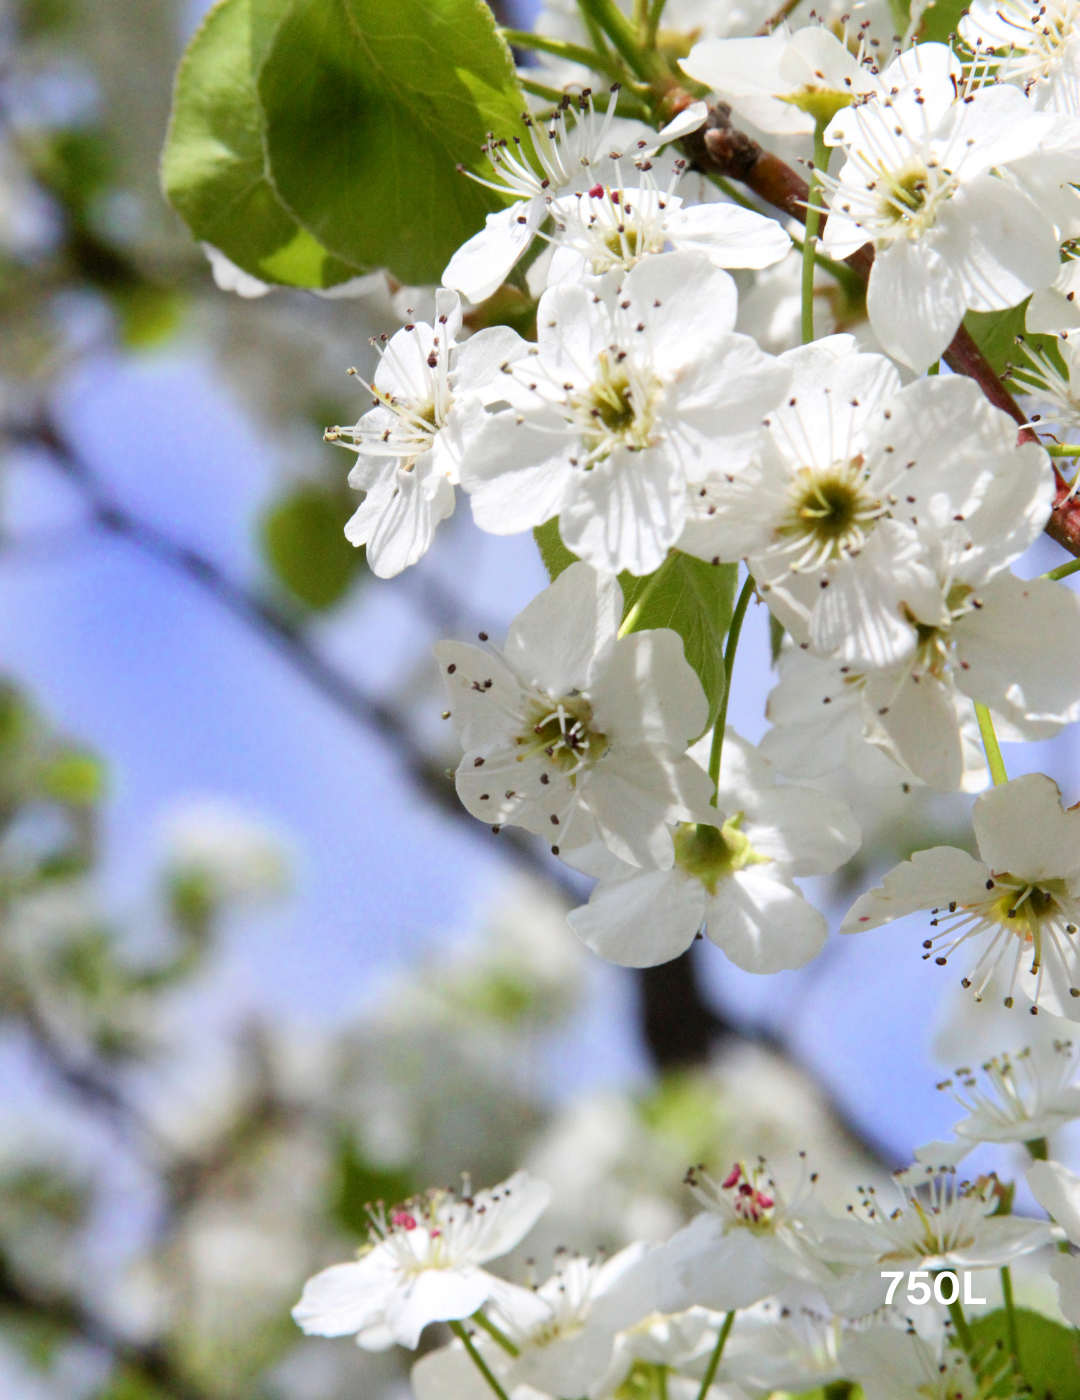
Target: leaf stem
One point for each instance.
(630, 621)
(620, 31)
(481, 1365)
(1064, 570)
(714, 1360)
(572, 53)
(1062, 449)
(813, 222)
(963, 1331)
(994, 760)
(652, 24)
(1010, 1317)
(496, 1333)
(729, 663)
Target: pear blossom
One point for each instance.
(575, 732)
(792, 1349)
(422, 1264)
(732, 878)
(409, 445)
(949, 236)
(1058, 391)
(572, 149)
(1029, 38)
(617, 409)
(604, 231)
(784, 82)
(822, 721)
(1064, 1269)
(589, 1302)
(1021, 900)
(747, 1244)
(1057, 1190)
(895, 1363)
(859, 488)
(939, 1223)
(1026, 1096)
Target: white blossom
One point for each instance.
(604, 231)
(1021, 1097)
(409, 445)
(1021, 900)
(422, 1265)
(1029, 37)
(733, 879)
(1057, 308)
(572, 149)
(823, 721)
(574, 732)
(861, 500)
(894, 1363)
(747, 1244)
(1057, 390)
(619, 407)
(784, 82)
(949, 235)
(939, 1223)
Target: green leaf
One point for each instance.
(940, 19)
(1049, 1352)
(74, 777)
(304, 543)
(995, 334)
(213, 165)
(359, 1184)
(693, 598)
(369, 108)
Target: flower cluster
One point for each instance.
(875, 486)
(764, 1289)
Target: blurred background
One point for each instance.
(257, 967)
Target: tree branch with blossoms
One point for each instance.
(659, 429)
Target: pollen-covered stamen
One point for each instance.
(1039, 919)
(1044, 379)
(938, 1215)
(749, 1197)
(1037, 32)
(564, 145)
(562, 730)
(614, 227)
(436, 1230)
(1017, 1086)
(419, 408)
(829, 515)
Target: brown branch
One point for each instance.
(720, 148)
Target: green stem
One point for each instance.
(994, 760)
(963, 1331)
(1010, 1317)
(479, 1362)
(495, 1333)
(714, 1360)
(661, 1383)
(630, 621)
(1064, 570)
(656, 10)
(1067, 449)
(572, 53)
(813, 222)
(729, 664)
(620, 31)
(549, 94)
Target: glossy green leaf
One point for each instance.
(369, 108)
(1049, 1352)
(213, 165)
(304, 543)
(693, 598)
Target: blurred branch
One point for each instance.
(148, 1361)
(678, 1025)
